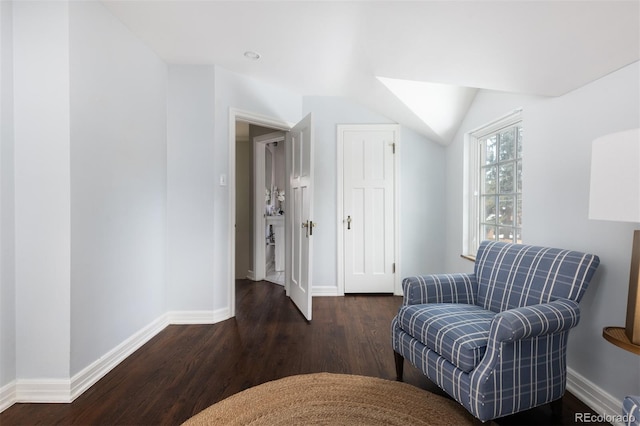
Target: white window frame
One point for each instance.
(472, 166)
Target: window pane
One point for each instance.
(505, 216)
(495, 182)
(488, 232)
(488, 185)
(489, 152)
(506, 234)
(488, 210)
(519, 144)
(506, 178)
(508, 144)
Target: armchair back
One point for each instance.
(516, 275)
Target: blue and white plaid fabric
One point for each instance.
(458, 332)
(495, 340)
(512, 275)
(446, 288)
(631, 410)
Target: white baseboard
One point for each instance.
(43, 390)
(596, 398)
(7, 395)
(34, 390)
(198, 317)
(99, 368)
(66, 391)
(322, 290)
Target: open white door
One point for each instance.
(299, 214)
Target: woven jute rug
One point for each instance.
(333, 399)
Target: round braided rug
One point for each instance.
(333, 399)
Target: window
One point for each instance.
(494, 205)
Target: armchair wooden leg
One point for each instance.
(556, 411)
(399, 365)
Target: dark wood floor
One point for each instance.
(186, 368)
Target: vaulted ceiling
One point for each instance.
(449, 49)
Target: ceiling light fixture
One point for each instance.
(250, 54)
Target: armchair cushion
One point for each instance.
(458, 332)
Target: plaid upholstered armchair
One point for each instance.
(495, 340)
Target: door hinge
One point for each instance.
(393, 268)
(393, 146)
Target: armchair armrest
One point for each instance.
(534, 321)
(442, 288)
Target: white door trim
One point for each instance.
(341, 128)
(236, 114)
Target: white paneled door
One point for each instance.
(369, 208)
(299, 214)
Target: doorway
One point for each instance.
(239, 121)
(260, 182)
(299, 183)
(269, 180)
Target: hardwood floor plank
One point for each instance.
(186, 368)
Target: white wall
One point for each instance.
(421, 197)
(190, 188)
(557, 153)
(7, 205)
(118, 183)
(83, 190)
(42, 193)
(422, 205)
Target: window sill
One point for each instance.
(468, 257)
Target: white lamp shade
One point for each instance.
(615, 177)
